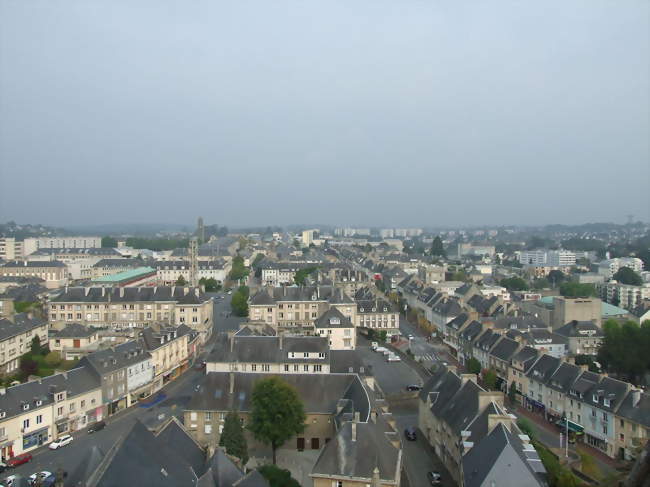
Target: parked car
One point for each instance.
(19, 459)
(11, 480)
(41, 475)
(434, 478)
(410, 336)
(99, 425)
(3, 467)
(410, 433)
(374, 345)
(380, 349)
(62, 441)
(413, 387)
(393, 358)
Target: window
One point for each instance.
(26, 424)
(39, 419)
(208, 416)
(306, 368)
(59, 411)
(286, 367)
(605, 429)
(192, 416)
(83, 404)
(295, 368)
(254, 367)
(207, 429)
(318, 368)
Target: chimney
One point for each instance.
(354, 430)
(376, 481)
(636, 396)
(280, 341)
(486, 397)
(121, 292)
(197, 291)
(495, 419)
(232, 344)
(232, 382)
(468, 377)
(103, 289)
(86, 291)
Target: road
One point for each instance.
(178, 393)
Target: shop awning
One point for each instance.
(575, 427)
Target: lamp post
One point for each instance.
(566, 439)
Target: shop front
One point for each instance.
(35, 438)
(7, 450)
(61, 427)
(534, 406)
(115, 406)
(94, 415)
(597, 441)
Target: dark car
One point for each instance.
(19, 459)
(99, 425)
(410, 434)
(434, 478)
(413, 387)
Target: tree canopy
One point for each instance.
(210, 283)
(302, 274)
(624, 350)
(577, 290)
(277, 413)
(109, 242)
(278, 477)
(514, 284)
(239, 301)
(473, 366)
(556, 277)
(181, 281)
(625, 275)
(238, 270)
(437, 248)
(233, 438)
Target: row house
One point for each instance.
(16, 335)
(453, 329)
(445, 310)
(500, 358)
(483, 345)
(170, 351)
(54, 273)
(520, 364)
(168, 272)
(79, 261)
(461, 421)
(377, 314)
(466, 339)
(270, 354)
(582, 337)
(338, 329)
(297, 308)
(38, 412)
(133, 307)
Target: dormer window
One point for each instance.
(39, 402)
(2, 414)
(25, 406)
(607, 402)
(361, 309)
(595, 398)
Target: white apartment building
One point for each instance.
(31, 245)
(547, 258)
(499, 291)
(624, 295)
(610, 267)
(10, 249)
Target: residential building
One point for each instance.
(54, 273)
(74, 341)
(632, 424)
(624, 295)
(10, 249)
(324, 396)
(547, 258)
(16, 335)
(579, 309)
(308, 237)
(125, 373)
(170, 271)
(520, 364)
(582, 337)
(110, 266)
(377, 314)
(338, 329)
(270, 354)
(169, 347)
(31, 245)
(133, 307)
(610, 267)
(79, 262)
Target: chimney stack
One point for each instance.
(486, 397)
(636, 397)
(232, 382)
(280, 341)
(495, 419)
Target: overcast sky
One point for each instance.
(372, 112)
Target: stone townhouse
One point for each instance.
(125, 373)
(544, 341)
(500, 358)
(482, 346)
(582, 337)
(537, 376)
(557, 392)
(297, 308)
(338, 329)
(168, 272)
(376, 313)
(466, 340)
(133, 307)
(16, 335)
(456, 416)
(520, 363)
(53, 273)
(37, 412)
(170, 351)
(270, 354)
(445, 310)
(324, 397)
(632, 424)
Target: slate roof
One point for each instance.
(333, 318)
(471, 331)
(544, 368)
(153, 339)
(639, 413)
(487, 340)
(21, 323)
(30, 292)
(612, 389)
(505, 349)
(564, 377)
(116, 358)
(585, 382)
(519, 323)
(91, 251)
(501, 458)
(447, 307)
(266, 349)
(73, 330)
(252, 479)
(320, 392)
(131, 294)
(118, 263)
(379, 306)
(580, 329)
(357, 458)
(32, 263)
(526, 356)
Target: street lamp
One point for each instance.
(566, 440)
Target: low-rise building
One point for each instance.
(338, 329)
(168, 272)
(169, 349)
(74, 341)
(16, 335)
(54, 273)
(140, 276)
(109, 266)
(582, 337)
(377, 314)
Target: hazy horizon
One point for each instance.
(396, 114)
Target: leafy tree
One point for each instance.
(541, 283)
(181, 281)
(382, 335)
(278, 477)
(238, 270)
(53, 359)
(625, 275)
(233, 439)
(459, 275)
(514, 284)
(277, 413)
(28, 366)
(556, 277)
(512, 393)
(473, 366)
(490, 379)
(211, 284)
(625, 348)
(526, 427)
(302, 274)
(22, 306)
(109, 242)
(35, 347)
(577, 290)
(437, 248)
(239, 301)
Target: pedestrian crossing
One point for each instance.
(425, 358)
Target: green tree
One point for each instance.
(28, 366)
(239, 301)
(526, 427)
(625, 275)
(577, 290)
(473, 366)
(437, 248)
(277, 413)
(233, 439)
(512, 393)
(490, 379)
(109, 242)
(211, 284)
(53, 359)
(624, 349)
(181, 281)
(302, 274)
(238, 270)
(278, 477)
(556, 277)
(35, 348)
(514, 284)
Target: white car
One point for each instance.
(380, 349)
(41, 475)
(11, 480)
(62, 441)
(393, 358)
